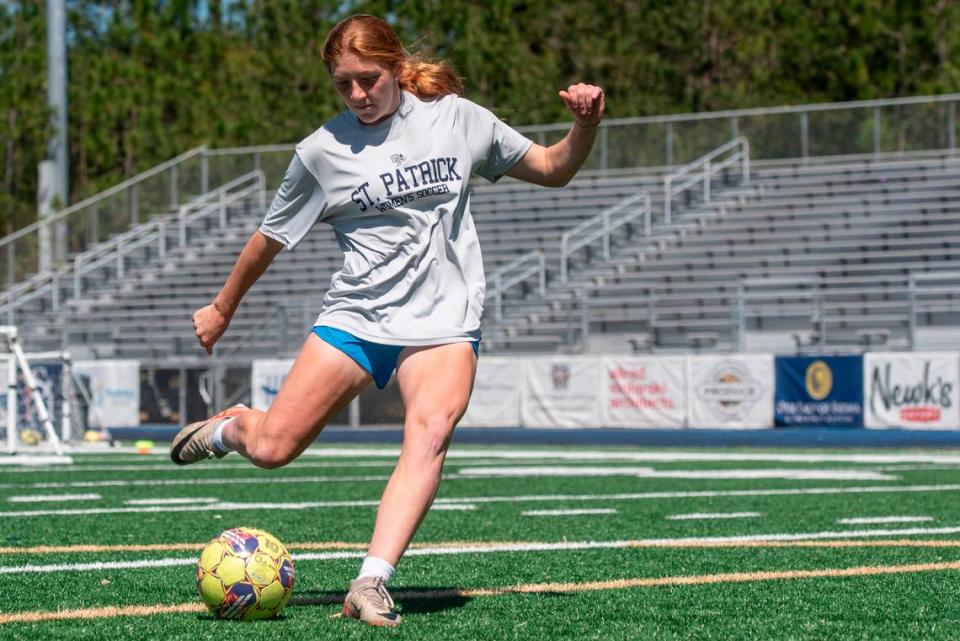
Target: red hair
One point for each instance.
(371, 38)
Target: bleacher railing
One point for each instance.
(114, 254)
(700, 173)
(601, 226)
(796, 131)
(514, 273)
(47, 244)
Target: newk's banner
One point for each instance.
(819, 391)
(911, 390)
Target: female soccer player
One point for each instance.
(390, 175)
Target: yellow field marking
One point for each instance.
(532, 588)
(343, 545)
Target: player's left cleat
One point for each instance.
(369, 601)
(195, 442)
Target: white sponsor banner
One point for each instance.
(645, 392)
(497, 394)
(911, 390)
(266, 378)
(563, 392)
(731, 391)
(114, 390)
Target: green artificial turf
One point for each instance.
(919, 605)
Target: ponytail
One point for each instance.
(428, 79)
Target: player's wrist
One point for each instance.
(586, 124)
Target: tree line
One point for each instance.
(149, 79)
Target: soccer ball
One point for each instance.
(245, 573)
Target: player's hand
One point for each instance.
(585, 102)
(209, 324)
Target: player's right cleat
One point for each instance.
(195, 442)
(369, 601)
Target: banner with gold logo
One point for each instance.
(819, 391)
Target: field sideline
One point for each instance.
(522, 543)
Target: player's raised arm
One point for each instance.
(555, 165)
(211, 321)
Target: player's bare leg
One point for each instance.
(435, 383)
(322, 381)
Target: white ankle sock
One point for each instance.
(375, 566)
(218, 443)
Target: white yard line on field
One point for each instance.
(482, 473)
(708, 516)
(53, 498)
(653, 456)
(172, 501)
(638, 496)
(648, 472)
(885, 519)
(569, 512)
(488, 548)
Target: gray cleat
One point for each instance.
(195, 442)
(369, 601)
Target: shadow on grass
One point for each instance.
(412, 600)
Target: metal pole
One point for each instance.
(182, 397)
(204, 173)
(11, 405)
(804, 135)
(667, 198)
(952, 126)
(174, 187)
(134, 205)
(58, 145)
(563, 257)
(355, 412)
(739, 320)
(706, 181)
(604, 148)
(542, 281)
(822, 310)
(912, 312)
(584, 320)
(876, 130)
(669, 144)
(734, 127)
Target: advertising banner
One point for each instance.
(911, 390)
(562, 392)
(266, 377)
(645, 392)
(731, 391)
(819, 391)
(114, 387)
(497, 394)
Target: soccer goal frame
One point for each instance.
(16, 362)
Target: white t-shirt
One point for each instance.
(397, 195)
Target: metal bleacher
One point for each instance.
(823, 254)
(786, 254)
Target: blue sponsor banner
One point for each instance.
(819, 391)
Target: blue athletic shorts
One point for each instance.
(377, 359)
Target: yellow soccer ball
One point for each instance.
(246, 574)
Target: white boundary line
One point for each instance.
(495, 548)
(306, 505)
